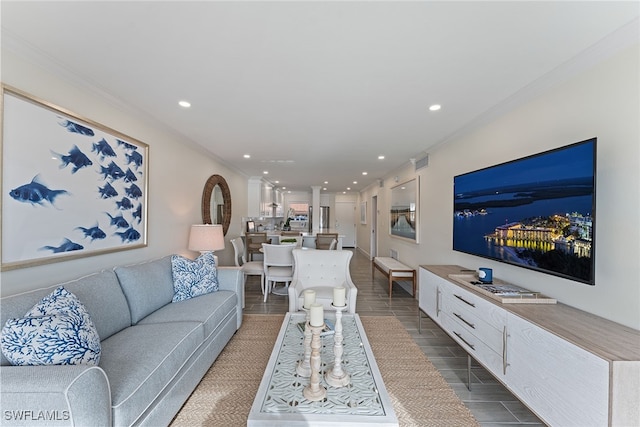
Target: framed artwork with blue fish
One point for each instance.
(71, 187)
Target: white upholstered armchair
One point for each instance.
(321, 271)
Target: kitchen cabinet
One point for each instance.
(279, 203)
(264, 201)
(254, 197)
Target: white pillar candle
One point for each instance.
(316, 315)
(309, 298)
(339, 296)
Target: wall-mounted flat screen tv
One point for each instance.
(536, 212)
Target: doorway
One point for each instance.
(345, 223)
(373, 251)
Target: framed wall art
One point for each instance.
(363, 212)
(70, 186)
(404, 216)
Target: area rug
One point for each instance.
(419, 394)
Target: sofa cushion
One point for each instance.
(192, 278)
(102, 295)
(147, 286)
(56, 331)
(210, 309)
(141, 360)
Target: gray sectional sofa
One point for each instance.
(154, 352)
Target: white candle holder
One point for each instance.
(303, 368)
(336, 376)
(314, 391)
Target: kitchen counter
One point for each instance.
(309, 238)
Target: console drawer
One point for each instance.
(491, 314)
(491, 359)
(470, 320)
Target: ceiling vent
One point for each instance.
(422, 163)
(381, 183)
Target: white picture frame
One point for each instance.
(363, 212)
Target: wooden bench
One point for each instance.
(394, 270)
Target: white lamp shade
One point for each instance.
(206, 237)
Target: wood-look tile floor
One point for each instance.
(489, 401)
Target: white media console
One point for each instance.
(569, 367)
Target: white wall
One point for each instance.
(603, 102)
(178, 170)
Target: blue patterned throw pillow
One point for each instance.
(192, 278)
(56, 331)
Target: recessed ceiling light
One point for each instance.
(277, 182)
(380, 157)
(324, 188)
(265, 172)
(284, 188)
(365, 173)
(355, 182)
(435, 107)
(184, 104)
(349, 188)
(326, 182)
(247, 156)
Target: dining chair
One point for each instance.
(254, 243)
(288, 235)
(249, 268)
(278, 267)
(334, 243)
(323, 240)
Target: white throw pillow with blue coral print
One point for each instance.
(192, 278)
(56, 331)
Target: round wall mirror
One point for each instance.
(216, 202)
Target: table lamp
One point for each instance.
(206, 238)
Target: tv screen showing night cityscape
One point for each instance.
(536, 212)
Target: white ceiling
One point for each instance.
(313, 91)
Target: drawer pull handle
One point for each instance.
(471, 325)
(464, 300)
(504, 350)
(437, 302)
(464, 341)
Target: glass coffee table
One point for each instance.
(280, 401)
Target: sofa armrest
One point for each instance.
(60, 395)
(232, 279)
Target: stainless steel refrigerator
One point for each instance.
(324, 218)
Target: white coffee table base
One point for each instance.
(280, 399)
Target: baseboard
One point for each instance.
(365, 253)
